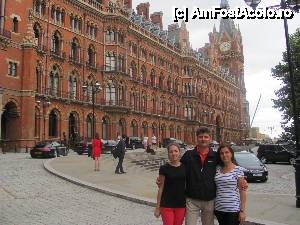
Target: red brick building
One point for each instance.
(152, 81)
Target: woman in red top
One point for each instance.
(97, 145)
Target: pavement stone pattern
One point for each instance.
(29, 195)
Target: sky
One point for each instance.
(263, 42)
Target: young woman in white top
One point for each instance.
(230, 201)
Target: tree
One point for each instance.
(281, 72)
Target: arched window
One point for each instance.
(172, 131)
(161, 81)
(110, 93)
(38, 35)
(104, 128)
(110, 36)
(133, 70)
(53, 123)
(178, 132)
(153, 104)
(144, 103)
(133, 100)
(15, 25)
(75, 51)
(152, 78)
(91, 55)
(163, 131)
(72, 87)
(39, 7)
(154, 129)
(145, 129)
(143, 74)
(188, 112)
(121, 94)
(122, 127)
(110, 62)
(56, 43)
(169, 83)
(134, 128)
(54, 81)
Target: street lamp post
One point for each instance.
(293, 5)
(95, 88)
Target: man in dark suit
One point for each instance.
(120, 149)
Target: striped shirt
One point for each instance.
(228, 195)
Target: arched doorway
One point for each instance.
(218, 129)
(122, 127)
(134, 128)
(105, 128)
(89, 126)
(53, 123)
(73, 126)
(9, 122)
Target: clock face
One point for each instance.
(225, 46)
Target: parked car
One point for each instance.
(167, 141)
(214, 145)
(48, 149)
(255, 169)
(276, 153)
(84, 148)
(108, 145)
(134, 142)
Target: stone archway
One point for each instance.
(10, 120)
(73, 126)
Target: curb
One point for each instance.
(102, 189)
(127, 196)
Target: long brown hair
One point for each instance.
(219, 161)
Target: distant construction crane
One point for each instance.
(255, 110)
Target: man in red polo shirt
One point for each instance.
(200, 164)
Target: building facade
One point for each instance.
(152, 81)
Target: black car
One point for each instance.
(134, 142)
(255, 169)
(167, 141)
(83, 147)
(276, 153)
(108, 146)
(48, 149)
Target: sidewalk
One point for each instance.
(138, 184)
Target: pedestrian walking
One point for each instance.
(154, 141)
(145, 142)
(170, 200)
(230, 202)
(96, 151)
(120, 153)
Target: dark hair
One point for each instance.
(203, 130)
(173, 144)
(219, 161)
(97, 136)
(123, 136)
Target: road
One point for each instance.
(29, 195)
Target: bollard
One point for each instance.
(26, 149)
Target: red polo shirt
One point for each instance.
(202, 155)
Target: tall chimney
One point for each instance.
(143, 9)
(156, 18)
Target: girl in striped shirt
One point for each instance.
(230, 201)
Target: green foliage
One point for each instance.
(281, 72)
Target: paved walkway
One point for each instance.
(138, 184)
